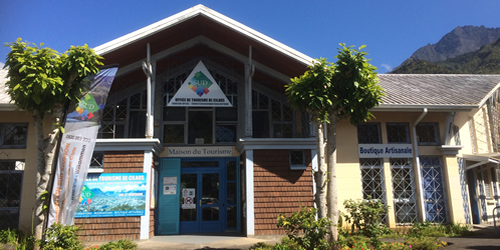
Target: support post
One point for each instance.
(249, 71)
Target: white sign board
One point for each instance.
(199, 90)
(385, 151)
(200, 151)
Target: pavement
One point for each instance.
(483, 238)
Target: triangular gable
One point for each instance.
(200, 90)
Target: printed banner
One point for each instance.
(200, 90)
(113, 195)
(77, 147)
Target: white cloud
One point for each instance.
(386, 67)
(1, 65)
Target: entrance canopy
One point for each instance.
(482, 159)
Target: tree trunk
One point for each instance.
(46, 161)
(320, 175)
(332, 193)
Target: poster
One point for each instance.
(113, 195)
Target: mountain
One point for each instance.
(486, 60)
(459, 41)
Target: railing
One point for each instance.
(494, 219)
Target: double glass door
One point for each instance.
(201, 201)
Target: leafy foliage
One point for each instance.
(303, 229)
(59, 237)
(365, 217)
(349, 88)
(124, 244)
(41, 78)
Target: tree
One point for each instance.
(43, 81)
(329, 92)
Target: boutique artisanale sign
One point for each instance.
(385, 151)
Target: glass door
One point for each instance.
(200, 203)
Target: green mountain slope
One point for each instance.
(484, 61)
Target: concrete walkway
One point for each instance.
(484, 238)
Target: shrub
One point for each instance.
(125, 244)
(303, 229)
(59, 237)
(424, 243)
(17, 239)
(365, 217)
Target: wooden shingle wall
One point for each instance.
(114, 228)
(277, 189)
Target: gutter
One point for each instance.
(417, 161)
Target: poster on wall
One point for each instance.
(113, 195)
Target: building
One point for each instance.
(235, 156)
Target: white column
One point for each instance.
(314, 163)
(148, 162)
(250, 198)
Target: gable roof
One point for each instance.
(407, 91)
(202, 25)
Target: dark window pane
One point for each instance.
(231, 217)
(231, 193)
(260, 124)
(369, 133)
(231, 171)
(137, 124)
(173, 133)
(200, 127)
(226, 132)
(226, 114)
(174, 114)
(398, 133)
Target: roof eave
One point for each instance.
(419, 107)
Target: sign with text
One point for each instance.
(200, 151)
(385, 151)
(113, 195)
(200, 90)
(77, 145)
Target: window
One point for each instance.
(199, 125)
(369, 133)
(97, 162)
(487, 184)
(372, 176)
(297, 160)
(11, 177)
(13, 135)
(403, 188)
(428, 133)
(271, 118)
(398, 133)
(456, 135)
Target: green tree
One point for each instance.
(347, 89)
(43, 81)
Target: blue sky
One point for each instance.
(391, 29)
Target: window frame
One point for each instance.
(295, 166)
(379, 131)
(406, 127)
(3, 128)
(435, 130)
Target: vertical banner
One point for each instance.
(77, 147)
